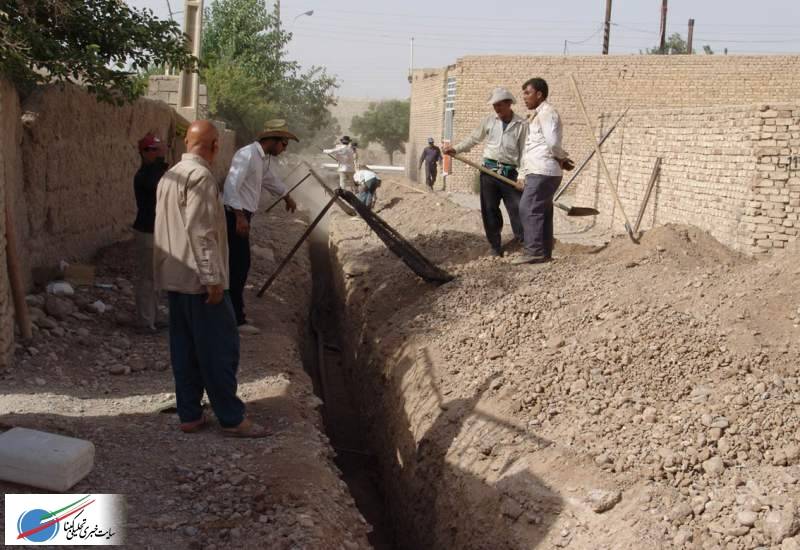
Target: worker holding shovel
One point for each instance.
(542, 165)
(505, 133)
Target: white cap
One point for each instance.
(501, 94)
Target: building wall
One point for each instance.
(10, 171)
(697, 112)
(427, 116)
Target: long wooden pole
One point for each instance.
(485, 170)
(15, 278)
(646, 199)
(599, 153)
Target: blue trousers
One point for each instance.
(204, 349)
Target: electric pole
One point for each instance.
(607, 28)
(662, 44)
(689, 39)
(278, 15)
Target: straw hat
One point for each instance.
(276, 128)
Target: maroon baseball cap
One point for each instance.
(149, 141)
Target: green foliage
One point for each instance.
(249, 78)
(676, 45)
(100, 44)
(385, 122)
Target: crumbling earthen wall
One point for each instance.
(10, 171)
(697, 141)
(79, 159)
(427, 115)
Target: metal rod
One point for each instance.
(340, 203)
(485, 170)
(606, 171)
(282, 197)
(298, 245)
(650, 185)
(590, 157)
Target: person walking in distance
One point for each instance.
(505, 133)
(250, 171)
(190, 262)
(145, 183)
(431, 156)
(542, 165)
(345, 156)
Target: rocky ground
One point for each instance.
(89, 374)
(624, 396)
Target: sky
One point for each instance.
(366, 43)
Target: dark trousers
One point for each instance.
(536, 212)
(430, 174)
(492, 192)
(238, 265)
(204, 349)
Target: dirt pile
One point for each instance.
(644, 394)
(88, 374)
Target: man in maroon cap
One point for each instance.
(145, 183)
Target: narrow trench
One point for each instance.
(324, 363)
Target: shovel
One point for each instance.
(570, 210)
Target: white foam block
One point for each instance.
(43, 460)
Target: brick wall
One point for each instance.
(427, 115)
(676, 103)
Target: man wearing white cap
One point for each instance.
(505, 134)
(251, 169)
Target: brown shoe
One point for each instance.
(194, 426)
(247, 428)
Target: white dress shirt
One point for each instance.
(543, 144)
(502, 145)
(363, 176)
(250, 171)
(345, 155)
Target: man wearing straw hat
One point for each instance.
(251, 169)
(505, 134)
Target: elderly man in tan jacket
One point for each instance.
(190, 262)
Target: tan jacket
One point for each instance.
(190, 243)
(504, 146)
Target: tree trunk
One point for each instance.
(391, 157)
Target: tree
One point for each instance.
(100, 44)
(676, 45)
(385, 122)
(249, 78)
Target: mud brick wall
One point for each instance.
(710, 152)
(10, 170)
(427, 116)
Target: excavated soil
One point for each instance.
(90, 375)
(634, 396)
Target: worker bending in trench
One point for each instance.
(251, 169)
(542, 164)
(505, 134)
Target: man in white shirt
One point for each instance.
(367, 183)
(345, 155)
(542, 164)
(504, 133)
(250, 171)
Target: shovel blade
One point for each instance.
(577, 211)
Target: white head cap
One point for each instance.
(501, 94)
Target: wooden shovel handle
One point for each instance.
(485, 170)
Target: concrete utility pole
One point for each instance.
(607, 28)
(411, 63)
(689, 39)
(189, 83)
(278, 13)
(662, 44)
